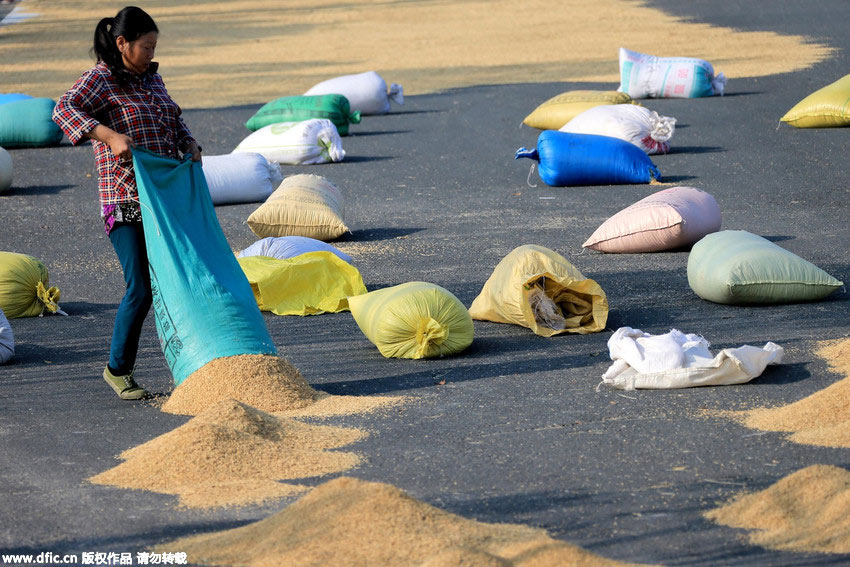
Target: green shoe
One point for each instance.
(124, 386)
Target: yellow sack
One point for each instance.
(24, 290)
(824, 108)
(537, 288)
(308, 284)
(303, 205)
(560, 109)
(413, 320)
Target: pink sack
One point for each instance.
(665, 220)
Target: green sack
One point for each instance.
(28, 124)
(25, 287)
(738, 267)
(334, 107)
(413, 320)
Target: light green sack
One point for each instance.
(413, 320)
(738, 267)
(24, 287)
(308, 284)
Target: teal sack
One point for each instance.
(738, 267)
(28, 124)
(204, 306)
(334, 107)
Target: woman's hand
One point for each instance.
(121, 147)
(119, 144)
(194, 150)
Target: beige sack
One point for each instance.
(560, 109)
(303, 205)
(538, 288)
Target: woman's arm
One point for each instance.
(76, 110)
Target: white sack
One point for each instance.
(7, 339)
(296, 143)
(649, 76)
(677, 360)
(283, 247)
(240, 178)
(366, 92)
(635, 124)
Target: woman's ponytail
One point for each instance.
(104, 48)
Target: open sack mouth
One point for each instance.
(557, 307)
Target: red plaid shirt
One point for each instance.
(143, 111)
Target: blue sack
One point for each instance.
(13, 97)
(585, 159)
(204, 306)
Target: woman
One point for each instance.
(122, 102)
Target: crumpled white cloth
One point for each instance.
(679, 360)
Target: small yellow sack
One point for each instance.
(560, 109)
(825, 108)
(538, 288)
(308, 284)
(413, 320)
(24, 290)
(303, 205)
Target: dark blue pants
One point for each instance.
(128, 239)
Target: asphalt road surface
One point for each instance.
(518, 432)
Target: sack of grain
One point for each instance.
(6, 170)
(333, 107)
(825, 108)
(648, 76)
(560, 109)
(283, 247)
(25, 287)
(538, 288)
(296, 143)
(670, 218)
(303, 205)
(7, 339)
(203, 305)
(28, 123)
(366, 92)
(635, 124)
(413, 320)
(308, 284)
(586, 159)
(244, 177)
(738, 267)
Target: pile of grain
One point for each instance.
(233, 454)
(355, 523)
(265, 382)
(806, 511)
(820, 419)
(247, 51)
